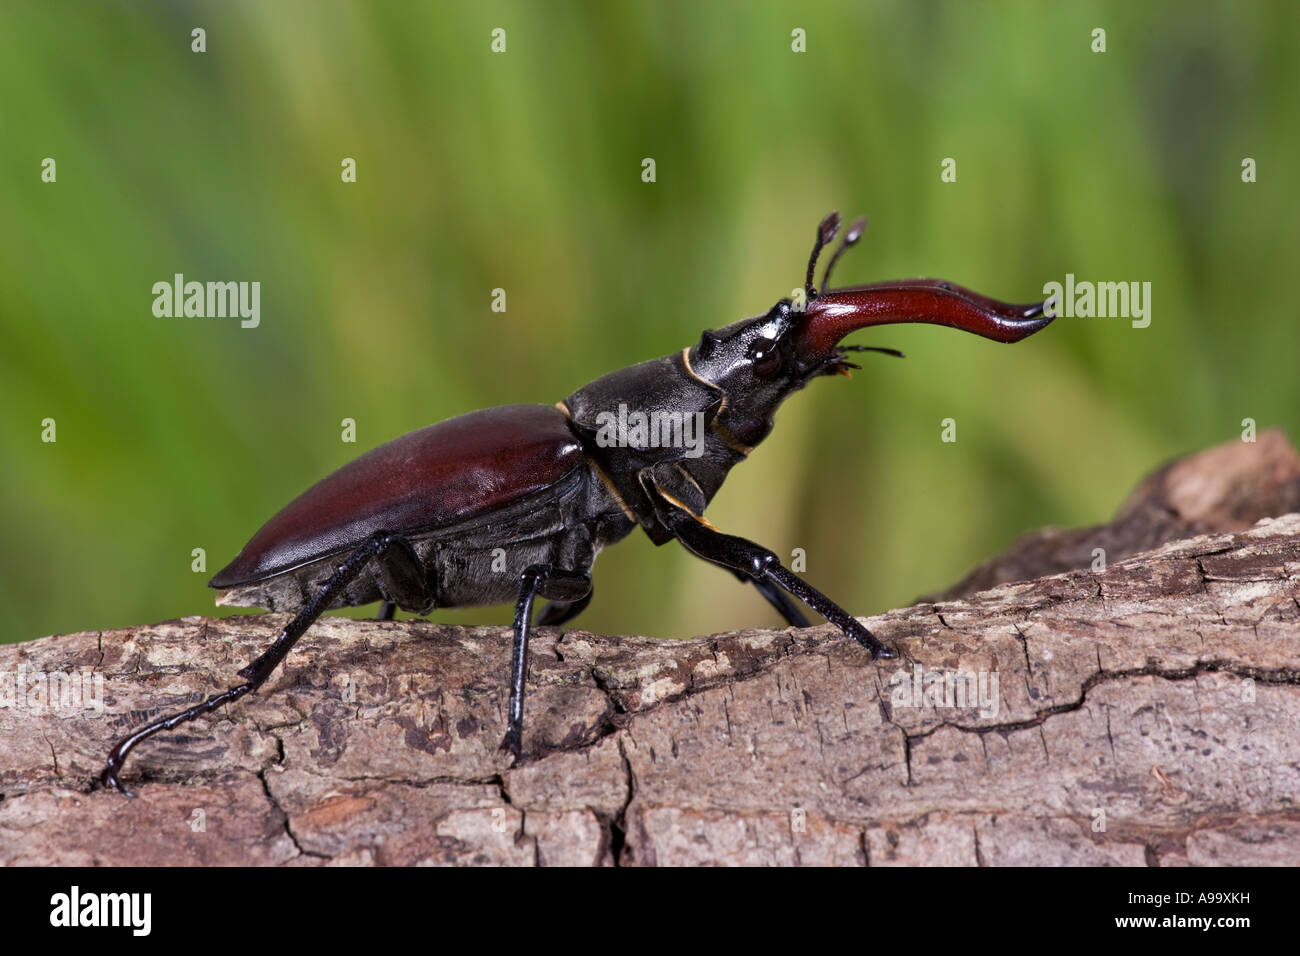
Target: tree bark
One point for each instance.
(1147, 713)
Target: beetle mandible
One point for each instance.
(417, 523)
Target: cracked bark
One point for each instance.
(1148, 714)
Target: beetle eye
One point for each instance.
(765, 356)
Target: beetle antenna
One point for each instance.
(850, 239)
(825, 233)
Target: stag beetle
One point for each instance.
(418, 523)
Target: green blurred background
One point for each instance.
(522, 170)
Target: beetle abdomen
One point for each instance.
(437, 476)
(471, 563)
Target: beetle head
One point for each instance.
(758, 361)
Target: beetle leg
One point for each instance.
(741, 554)
(256, 673)
(561, 612)
(777, 598)
(568, 587)
(386, 611)
(403, 580)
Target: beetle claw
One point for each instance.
(109, 778)
(512, 743)
(868, 640)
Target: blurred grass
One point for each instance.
(522, 171)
